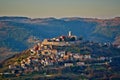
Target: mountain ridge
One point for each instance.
(19, 33)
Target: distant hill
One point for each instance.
(19, 33)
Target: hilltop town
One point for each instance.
(60, 56)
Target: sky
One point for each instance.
(60, 8)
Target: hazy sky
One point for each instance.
(60, 8)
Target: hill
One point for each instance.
(81, 60)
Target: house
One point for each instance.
(66, 57)
(32, 52)
(68, 64)
(87, 56)
(80, 63)
(76, 56)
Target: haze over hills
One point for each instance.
(19, 33)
